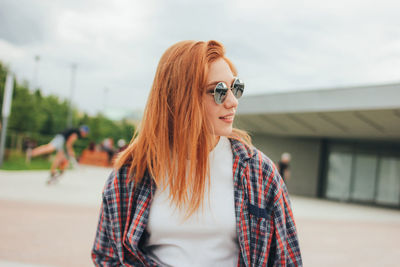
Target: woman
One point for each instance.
(190, 190)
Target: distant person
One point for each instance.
(108, 146)
(284, 167)
(190, 190)
(121, 145)
(92, 146)
(63, 144)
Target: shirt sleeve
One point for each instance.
(104, 251)
(287, 249)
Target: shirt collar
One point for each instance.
(241, 150)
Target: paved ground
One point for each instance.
(54, 225)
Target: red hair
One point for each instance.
(175, 139)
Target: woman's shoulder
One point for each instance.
(250, 153)
(266, 161)
(263, 174)
(272, 182)
(256, 159)
(117, 181)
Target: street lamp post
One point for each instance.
(7, 99)
(35, 82)
(72, 88)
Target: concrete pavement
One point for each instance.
(339, 234)
(44, 226)
(54, 225)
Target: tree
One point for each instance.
(40, 117)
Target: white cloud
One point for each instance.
(276, 45)
(9, 52)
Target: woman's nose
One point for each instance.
(230, 101)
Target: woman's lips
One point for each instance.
(227, 118)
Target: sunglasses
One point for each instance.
(221, 90)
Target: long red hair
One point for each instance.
(174, 138)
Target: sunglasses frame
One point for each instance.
(219, 98)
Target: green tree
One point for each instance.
(41, 117)
(23, 111)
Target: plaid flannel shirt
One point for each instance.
(265, 225)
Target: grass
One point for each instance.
(15, 160)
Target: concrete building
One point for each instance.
(344, 142)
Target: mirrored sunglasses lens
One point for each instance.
(220, 93)
(238, 88)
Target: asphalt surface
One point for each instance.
(42, 225)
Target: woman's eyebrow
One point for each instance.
(216, 82)
(213, 83)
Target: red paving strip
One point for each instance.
(48, 234)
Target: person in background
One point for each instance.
(283, 166)
(191, 190)
(121, 145)
(62, 143)
(108, 146)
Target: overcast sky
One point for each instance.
(275, 45)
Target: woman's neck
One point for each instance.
(215, 141)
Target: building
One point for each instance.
(344, 142)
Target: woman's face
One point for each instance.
(220, 116)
